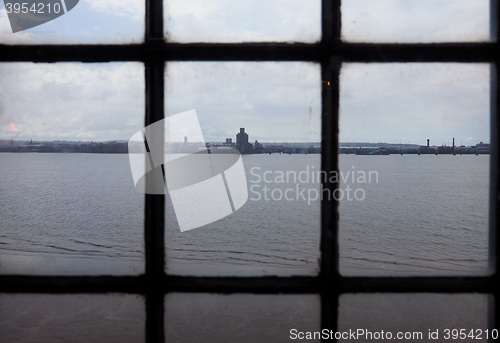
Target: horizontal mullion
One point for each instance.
(419, 285)
(443, 52)
(346, 52)
(72, 284)
(142, 284)
(159, 50)
(243, 52)
(261, 285)
(340, 285)
(72, 53)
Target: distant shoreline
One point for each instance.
(122, 147)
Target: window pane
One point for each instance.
(47, 318)
(423, 209)
(417, 21)
(238, 318)
(275, 225)
(68, 203)
(89, 22)
(415, 317)
(243, 21)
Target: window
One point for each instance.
(325, 296)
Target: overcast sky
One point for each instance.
(412, 102)
(273, 101)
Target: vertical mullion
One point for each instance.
(155, 204)
(154, 230)
(330, 23)
(494, 215)
(329, 274)
(329, 163)
(154, 20)
(330, 69)
(494, 210)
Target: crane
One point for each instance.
(13, 139)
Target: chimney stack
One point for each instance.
(428, 140)
(453, 142)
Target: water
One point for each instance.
(426, 215)
(69, 214)
(80, 214)
(268, 235)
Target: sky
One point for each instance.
(280, 102)
(413, 102)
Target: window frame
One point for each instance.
(330, 52)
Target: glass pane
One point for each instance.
(68, 203)
(72, 22)
(239, 318)
(415, 147)
(47, 318)
(271, 113)
(243, 21)
(415, 317)
(416, 21)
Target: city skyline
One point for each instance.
(229, 141)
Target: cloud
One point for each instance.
(89, 22)
(250, 21)
(285, 98)
(415, 20)
(6, 35)
(72, 100)
(247, 107)
(132, 9)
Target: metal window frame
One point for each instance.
(330, 53)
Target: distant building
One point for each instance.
(229, 142)
(482, 148)
(444, 149)
(427, 149)
(242, 142)
(257, 147)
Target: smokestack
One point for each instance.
(428, 140)
(453, 142)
